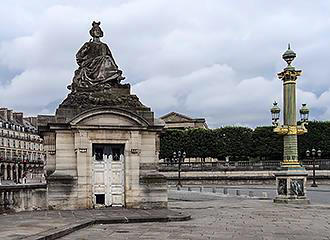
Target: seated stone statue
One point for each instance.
(97, 67)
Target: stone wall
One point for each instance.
(236, 177)
(71, 165)
(23, 197)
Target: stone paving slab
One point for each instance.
(216, 217)
(54, 224)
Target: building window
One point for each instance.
(100, 198)
(98, 154)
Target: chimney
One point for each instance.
(32, 120)
(18, 117)
(3, 113)
(10, 117)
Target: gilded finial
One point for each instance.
(289, 55)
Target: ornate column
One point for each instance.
(291, 180)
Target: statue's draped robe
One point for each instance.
(96, 65)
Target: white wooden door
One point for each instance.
(117, 181)
(108, 181)
(102, 181)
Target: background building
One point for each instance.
(21, 149)
(176, 120)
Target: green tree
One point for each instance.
(318, 137)
(200, 143)
(235, 142)
(241, 143)
(171, 141)
(267, 145)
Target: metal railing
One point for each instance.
(321, 164)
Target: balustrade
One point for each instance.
(321, 164)
(23, 197)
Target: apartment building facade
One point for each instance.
(22, 157)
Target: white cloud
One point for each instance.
(215, 92)
(216, 60)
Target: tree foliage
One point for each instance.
(242, 143)
(318, 137)
(266, 145)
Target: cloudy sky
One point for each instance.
(216, 59)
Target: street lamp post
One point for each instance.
(179, 157)
(314, 153)
(291, 180)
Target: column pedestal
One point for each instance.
(291, 185)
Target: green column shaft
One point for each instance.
(290, 151)
(289, 95)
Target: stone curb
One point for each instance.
(317, 189)
(70, 228)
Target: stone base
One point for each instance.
(153, 191)
(62, 192)
(147, 205)
(291, 185)
(117, 96)
(289, 200)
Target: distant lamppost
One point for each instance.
(180, 158)
(291, 180)
(314, 153)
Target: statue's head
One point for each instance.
(96, 30)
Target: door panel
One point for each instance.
(117, 187)
(100, 179)
(108, 175)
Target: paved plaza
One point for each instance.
(214, 216)
(53, 224)
(217, 217)
(317, 195)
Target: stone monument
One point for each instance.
(291, 180)
(102, 144)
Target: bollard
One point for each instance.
(238, 193)
(250, 193)
(201, 189)
(225, 191)
(214, 190)
(264, 195)
(189, 189)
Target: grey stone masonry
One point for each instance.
(101, 114)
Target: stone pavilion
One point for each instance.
(102, 144)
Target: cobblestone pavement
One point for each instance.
(218, 217)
